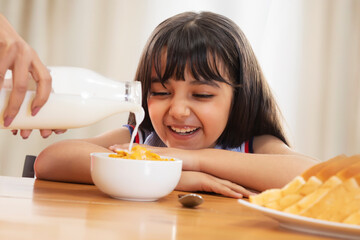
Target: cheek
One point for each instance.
(155, 111)
(151, 107)
(149, 103)
(152, 104)
(215, 114)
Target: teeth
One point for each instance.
(183, 130)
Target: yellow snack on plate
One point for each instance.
(139, 153)
(328, 191)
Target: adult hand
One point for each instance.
(18, 56)
(191, 181)
(25, 133)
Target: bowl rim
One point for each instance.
(103, 154)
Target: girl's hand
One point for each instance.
(25, 133)
(198, 181)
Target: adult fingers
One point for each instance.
(59, 131)
(25, 133)
(7, 57)
(45, 132)
(42, 77)
(20, 79)
(5, 61)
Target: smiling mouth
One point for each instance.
(183, 131)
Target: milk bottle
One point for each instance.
(80, 97)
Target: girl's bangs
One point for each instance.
(197, 55)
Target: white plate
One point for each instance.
(306, 224)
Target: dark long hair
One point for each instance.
(201, 41)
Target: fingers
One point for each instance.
(233, 188)
(17, 55)
(20, 78)
(25, 133)
(15, 100)
(199, 181)
(223, 189)
(7, 56)
(59, 131)
(114, 147)
(45, 133)
(42, 77)
(118, 147)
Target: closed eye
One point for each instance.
(159, 93)
(203, 95)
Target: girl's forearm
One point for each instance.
(67, 161)
(256, 171)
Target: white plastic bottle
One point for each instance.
(80, 97)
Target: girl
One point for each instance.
(206, 102)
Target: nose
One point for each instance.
(179, 108)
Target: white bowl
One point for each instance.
(135, 180)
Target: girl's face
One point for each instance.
(189, 114)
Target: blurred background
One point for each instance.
(309, 51)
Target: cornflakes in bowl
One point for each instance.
(139, 153)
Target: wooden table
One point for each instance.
(35, 209)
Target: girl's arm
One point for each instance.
(69, 160)
(272, 165)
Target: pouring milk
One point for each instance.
(80, 98)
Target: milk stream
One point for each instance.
(139, 117)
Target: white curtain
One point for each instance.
(311, 57)
(309, 51)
